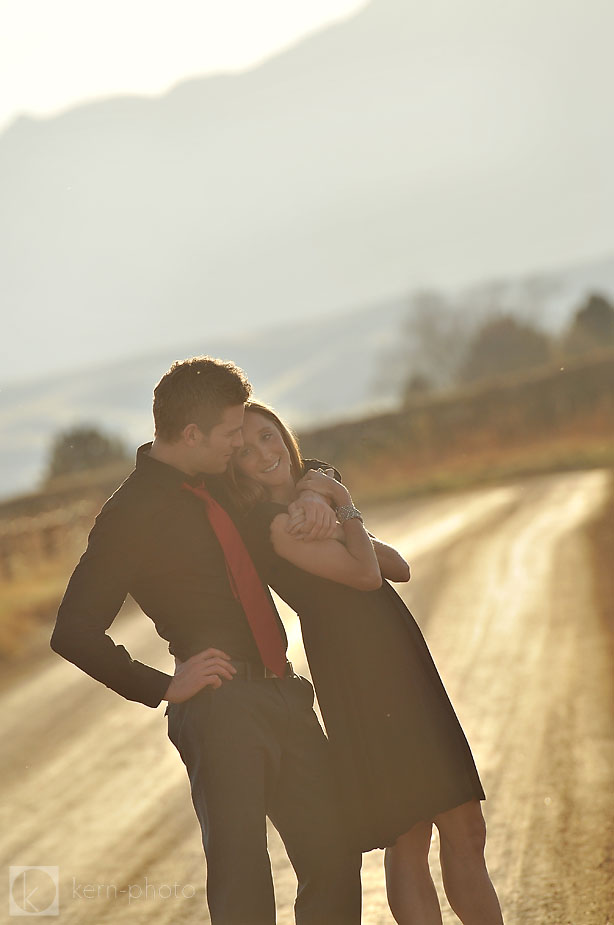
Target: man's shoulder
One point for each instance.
(133, 502)
(319, 464)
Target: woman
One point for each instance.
(402, 758)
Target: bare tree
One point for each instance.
(437, 333)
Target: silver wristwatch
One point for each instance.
(348, 512)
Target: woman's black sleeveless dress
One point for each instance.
(399, 751)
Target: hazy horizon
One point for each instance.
(394, 149)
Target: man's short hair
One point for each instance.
(197, 391)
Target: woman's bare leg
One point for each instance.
(462, 837)
(411, 892)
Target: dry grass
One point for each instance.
(387, 479)
(37, 555)
(558, 419)
(24, 604)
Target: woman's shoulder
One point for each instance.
(256, 530)
(267, 508)
(259, 518)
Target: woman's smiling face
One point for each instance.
(264, 456)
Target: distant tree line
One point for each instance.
(82, 448)
(446, 350)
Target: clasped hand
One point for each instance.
(312, 514)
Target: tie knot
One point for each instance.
(199, 489)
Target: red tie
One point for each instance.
(246, 584)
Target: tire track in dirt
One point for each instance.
(502, 588)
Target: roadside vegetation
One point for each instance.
(479, 404)
(555, 419)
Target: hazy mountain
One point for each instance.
(387, 149)
(326, 369)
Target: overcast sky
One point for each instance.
(55, 53)
(513, 117)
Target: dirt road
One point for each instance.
(502, 589)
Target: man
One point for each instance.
(246, 731)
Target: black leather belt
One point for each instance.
(256, 671)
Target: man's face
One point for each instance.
(214, 449)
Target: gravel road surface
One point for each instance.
(502, 588)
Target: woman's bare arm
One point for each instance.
(352, 562)
(392, 564)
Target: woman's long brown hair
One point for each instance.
(245, 492)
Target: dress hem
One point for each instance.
(389, 843)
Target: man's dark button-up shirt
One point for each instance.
(152, 539)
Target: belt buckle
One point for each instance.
(290, 673)
(254, 671)
(268, 673)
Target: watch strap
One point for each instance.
(348, 512)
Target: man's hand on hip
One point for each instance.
(209, 668)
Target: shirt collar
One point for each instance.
(163, 472)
